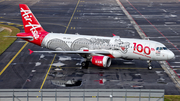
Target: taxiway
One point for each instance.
(90, 17)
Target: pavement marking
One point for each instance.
(55, 54)
(18, 25)
(72, 16)
(12, 19)
(10, 23)
(164, 64)
(20, 41)
(2, 0)
(48, 72)
(153, 26)
(78, 10)
(133, 22)
(75, 17)
(103, 28)
(13, 58)
(53, 24)
(73, 27)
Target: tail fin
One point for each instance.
(31, 24)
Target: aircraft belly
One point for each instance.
(116, 54)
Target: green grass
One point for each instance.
(4, 41)
(172, 98)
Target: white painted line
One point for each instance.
(164, 37)
(140, 32)
(128, 62)
(164, 10)
(38, 64)
(137, 74)
(58, 64)
(175, 66)
(175, 62)
(20, 41)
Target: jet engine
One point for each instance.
(101, 61)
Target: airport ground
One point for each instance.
(158, 19)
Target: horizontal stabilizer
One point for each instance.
(24, 37)
(30, 51)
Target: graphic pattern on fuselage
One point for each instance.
(88, 44)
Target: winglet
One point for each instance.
(30, 51)
(113, 34)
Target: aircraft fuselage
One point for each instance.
(118, 47)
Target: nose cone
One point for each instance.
(170, 55)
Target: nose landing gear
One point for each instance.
(149, 65)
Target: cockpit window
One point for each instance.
(161, 48)
(164, 48)
(157, 48)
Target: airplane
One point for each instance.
(98, 50)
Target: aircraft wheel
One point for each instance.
(85, 64)
(150, 68)
(149, 65)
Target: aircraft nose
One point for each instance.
(171, 55)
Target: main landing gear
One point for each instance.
(149, 65)
(85, 61)
(85, 64)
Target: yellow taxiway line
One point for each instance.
(55, 54)
(72, 16)
(48, 72)
(13, 58)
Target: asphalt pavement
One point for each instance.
(158, 20)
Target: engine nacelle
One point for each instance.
(101, 61)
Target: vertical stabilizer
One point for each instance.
(31, 25)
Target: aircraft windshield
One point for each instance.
(164, 48)
(161, 48)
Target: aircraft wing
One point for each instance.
(71, 52)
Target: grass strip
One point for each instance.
(5, 42)
(171, 97)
